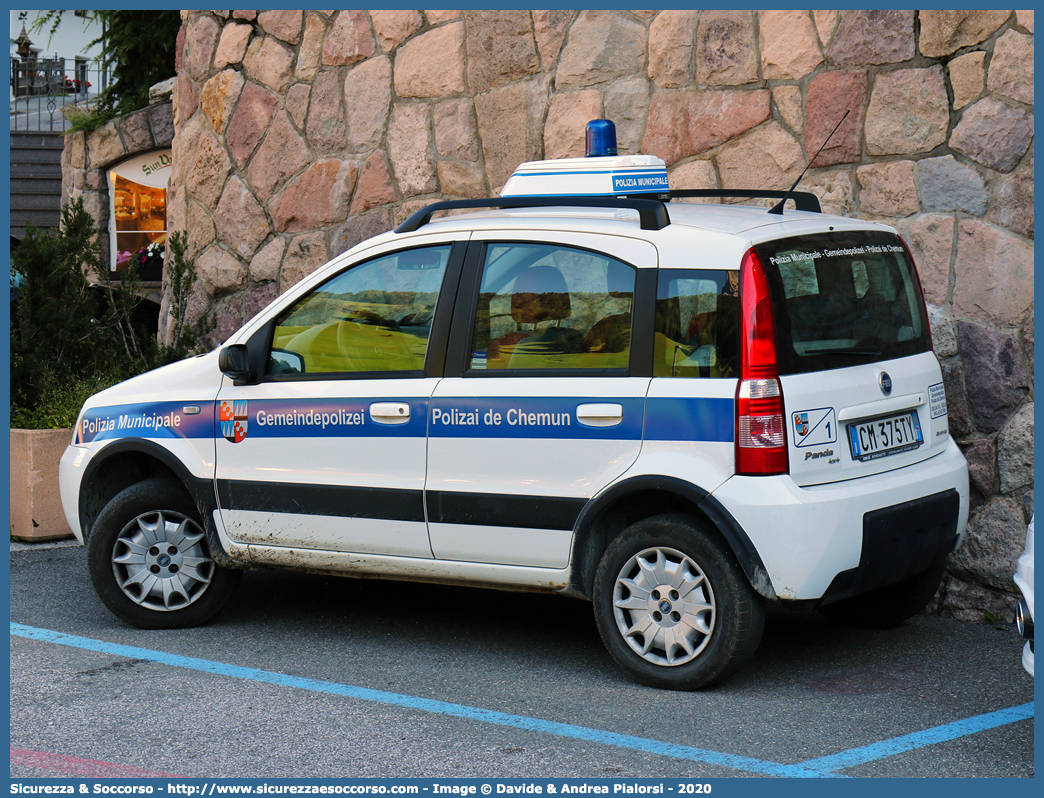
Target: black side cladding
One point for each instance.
(899, 542)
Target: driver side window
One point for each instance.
(374, 317)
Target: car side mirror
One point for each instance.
(234, 362)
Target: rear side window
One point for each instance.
(544, 307)
(840, 299)
(697, 323)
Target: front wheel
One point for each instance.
(673, 606)
(149, 561)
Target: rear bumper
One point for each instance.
(808, 536)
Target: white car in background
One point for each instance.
(1024, 613)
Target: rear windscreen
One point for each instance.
(841, 299)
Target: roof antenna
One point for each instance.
(778, 208)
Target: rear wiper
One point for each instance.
(869, 351)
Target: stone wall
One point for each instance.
(299, 134)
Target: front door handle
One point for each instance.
(390, 412)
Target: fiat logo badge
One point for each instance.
(886, 383)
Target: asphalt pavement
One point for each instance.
(314, 676)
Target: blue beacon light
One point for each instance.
(601, 138)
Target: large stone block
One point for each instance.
(501, 48)
(887, 189)
(104, 146)
(375, 186)
(946, 31)
(602, 46)
(349, 40)
(281, 155)
(232, 45)
(967, 77)
(909, 112)
(310, 53)
(689, 123)
(1014, 206)
(220, 272)
(694, 174)
(410, 149)
(219, 96)
(367, 91)
(284, 25)
(873, 37)
(981, 455)
(325, 129)
(1015, 451)
(440, 16)
(264, 266)
(789, 44)
(209, 170)
(296, 104)
(670, 48)
(971, 603)
(1011, 68)
(993, 134)
(549, 29)
(316, 198)
(358, 229)
(394, 26)
(768, 157)
(957, 408)
(790, 106)
(135, 132)
(455, 133)
(991, 546)
(830, 96)
(432, 64)
(462, 179)
(931, 242)
(626, 102)
(509, 133)
(948, 185)
(161, 119)
(253, 116)
(201, 36)
(944, 332)
(726, 49)
(304, 255)
(834, 189)
(994, 274)
(994, 374)
(240, 220)
(567, 118)
(270, 62)
(199, 226)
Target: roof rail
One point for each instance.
(804, 200)
(652, 214)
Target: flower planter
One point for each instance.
(36, 505)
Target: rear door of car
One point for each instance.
(862, 389)
(539, 409)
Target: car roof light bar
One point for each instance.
(652, 214)
(803, 200)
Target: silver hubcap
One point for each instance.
(664, 606)
(160, 562)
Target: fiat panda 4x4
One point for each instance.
(591, 386)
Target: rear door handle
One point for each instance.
(390, 412)
(602, 414)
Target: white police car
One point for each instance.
(675, 410)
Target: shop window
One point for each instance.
(138, 214)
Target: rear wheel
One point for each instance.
(673, 606)
(149, 560)
(887, 606)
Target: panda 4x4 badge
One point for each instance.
(234, 421)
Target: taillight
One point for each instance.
(761, 438)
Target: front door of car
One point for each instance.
(541, 406)
(328, 450)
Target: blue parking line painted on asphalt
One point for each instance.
(821, 767)
(910, 742)
(598, 736)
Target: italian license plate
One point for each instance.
(882, 437)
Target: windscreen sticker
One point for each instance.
(866, 249)
(814, 427)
